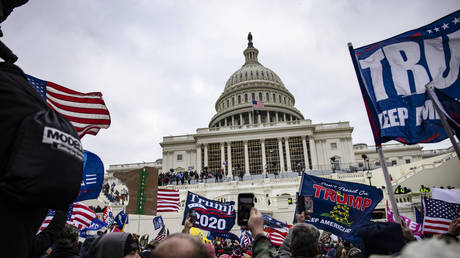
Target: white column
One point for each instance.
(198, 158)
(268, 117)
(229, 159)
(280, 149)
(233, 120)
(325, 156)
(305, 152)
(284, 116)
(222, 156)
(246, 158)
(205, 154)
(259, 118)
(288, 155)
(225, 122)
(276, 117)
(250, 118)
(264, 157)
(241, 119)
(312, 152)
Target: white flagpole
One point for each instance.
(390, 190)
(437, 106)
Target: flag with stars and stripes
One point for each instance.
(86, 111)
(245, 238)
(167, 200)
(162, 234)
(393, 75)
(80, 216)
(438, 215)
(49, 217)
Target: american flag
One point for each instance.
(167, 200)
(276, 235)
(49, 217)
(81, 216)
(438, 215)
(245, 238)
(86, 111)
(161, 235)
(257, 104)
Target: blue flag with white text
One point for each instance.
(92, 178)
(212, 215)
(393, 74)
(121, 219)
(339, 207)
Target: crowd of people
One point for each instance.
(188, 177)
(303, 240)
(113, 195)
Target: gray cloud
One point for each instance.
(162, 64)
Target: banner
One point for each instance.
(339, 207)
(107, 216)
(93, 177)
(415, 227)
(212, 215)
(121, 219)
(393, 74)
(228, 235)
(158, 222)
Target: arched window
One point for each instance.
(267, 96)
(260, 96)
(279, 98)
(253, 96)
(228, 103)
(233, 101)
(239, 99)
(274, 97)
(284, 100)
(246, 98)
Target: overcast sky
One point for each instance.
(161, 65)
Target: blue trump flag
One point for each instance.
(393, 74)
(121, 219)
(93, 177)
(212, 215)
(339, 207)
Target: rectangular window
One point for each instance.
(233, 101)
(394, 162)
(260, 96)
(246, 98)
(407, 161)
(268, 97)
(179, 157)
(253, 96)
(333, 145)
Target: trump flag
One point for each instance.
(393, 75)
(339, 207)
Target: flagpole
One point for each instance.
(386, 175)
(445, 125)
(390, 190)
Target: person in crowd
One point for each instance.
(66, 244)
(399, 190)
(302, 240)
(196, 176)
(181, 245)
(177, 179)
(115, 245)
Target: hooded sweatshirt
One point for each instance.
(110, 245)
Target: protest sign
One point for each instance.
(339, 207)
(211, 215)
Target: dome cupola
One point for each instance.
(254, 82)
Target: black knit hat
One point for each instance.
(381, 238)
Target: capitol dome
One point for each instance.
(254, 83)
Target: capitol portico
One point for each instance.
(258, 130)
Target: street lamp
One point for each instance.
(368, 173)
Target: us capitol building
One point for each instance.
(271, 138)
(271, 143)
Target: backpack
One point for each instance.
(41, 162)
